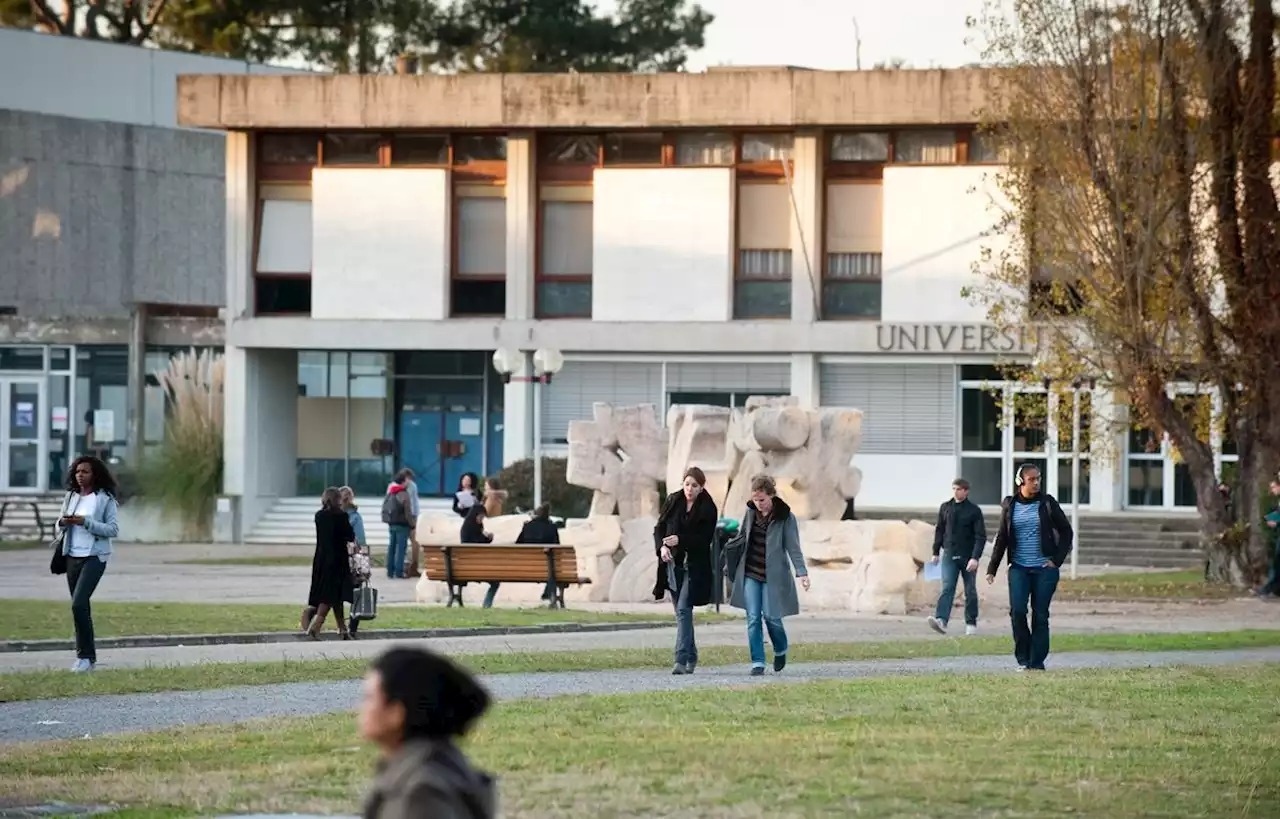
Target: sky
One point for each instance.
(820, 33)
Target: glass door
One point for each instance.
(22, 437)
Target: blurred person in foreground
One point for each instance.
(416, 706)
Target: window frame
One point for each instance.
(540, 276)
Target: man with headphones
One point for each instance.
(1037, 536)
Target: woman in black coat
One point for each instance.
(331, 584)
(682, 539)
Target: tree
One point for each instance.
(1140, 225)
(366, 36)
(568, 35)
(119, 21)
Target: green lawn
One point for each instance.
(49, 619)
(1175, 585)
(22, 545)
(55, 684)
(1170, 742)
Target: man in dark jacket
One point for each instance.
(1037, 536)
(958, 540)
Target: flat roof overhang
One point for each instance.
(764, 98)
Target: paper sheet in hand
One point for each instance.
(466, 499)
(933, 571)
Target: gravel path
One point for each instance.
(93, 716)
(811, 627)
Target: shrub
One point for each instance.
(185, 476)
(566, 500)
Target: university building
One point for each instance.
(682, 238)
(111, 250)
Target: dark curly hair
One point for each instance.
(102, 477)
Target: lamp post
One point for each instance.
(1075, 475)
(543, 364)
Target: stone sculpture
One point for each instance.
(621, 455)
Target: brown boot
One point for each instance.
(317, 622)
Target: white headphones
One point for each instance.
(1018, 479)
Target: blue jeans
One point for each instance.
(1037, 585)
(952, 571)
(757, 601)
(395, 551)
(686, 652)
(83, 574)
(1271, 586)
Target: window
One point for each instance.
(479, 281)
(572, 149)
(925, 147)
(282, 295)
(420, 149)
(351, 149)
(284, 237)
(633, 149)
(860, 147)
(564, 286)
(989, 147)
(704, 149)
(763, 285)
(288, 149)
(766, 147)
(851, 287)
(479, 148)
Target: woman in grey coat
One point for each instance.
(760, 559)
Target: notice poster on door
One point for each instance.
(60, 415)
(104, 426)
(24, 415)
(469, 426)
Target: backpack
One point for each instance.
(393, 510)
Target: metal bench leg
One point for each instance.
(455, 594)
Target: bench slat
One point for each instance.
(520, 563)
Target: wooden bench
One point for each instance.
(460, 564)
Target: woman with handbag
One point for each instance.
(331, 584)
(682, 538)
(361, 568)
(82, 545)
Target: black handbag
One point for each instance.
(58, 560)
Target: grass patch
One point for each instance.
(22, 545)
(49, 619)
(1176, 585)
(32, 685)
(1137, 743)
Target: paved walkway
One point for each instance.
(93, 716)
(811, 627)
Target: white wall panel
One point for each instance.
(284, 239)
(663, 245)
(905, 481)
(936, 223)
(380, 243)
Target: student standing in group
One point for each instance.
(760, 560)
(348, 496)
(1037, 536)
(407, 477)
(397, 513)
(86, 528)
(682, 537)
(542, 531)
(958, 540)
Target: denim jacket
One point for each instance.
(103, 526)
(357, 526)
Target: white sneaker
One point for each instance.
(82, 666)
(937, 625)
(970, 630)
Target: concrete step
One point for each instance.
(291, 521)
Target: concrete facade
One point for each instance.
(112, 247)
(670, 252)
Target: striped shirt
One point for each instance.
(756, 540)
(1026, 534)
